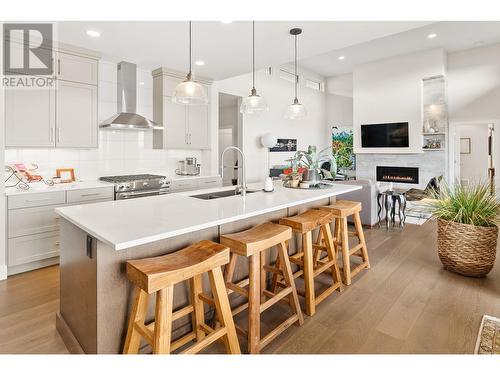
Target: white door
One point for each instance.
(174, 121)
(29, 117)
(76, 68)
(198, 126)
(76, 115)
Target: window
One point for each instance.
(312, 84)
(286, 75)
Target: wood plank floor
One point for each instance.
(405, 304)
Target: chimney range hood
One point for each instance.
(126, 117)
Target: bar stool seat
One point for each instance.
(159, 275)
(253, 244)
(309, 267)
(341, 210)
(253, 240)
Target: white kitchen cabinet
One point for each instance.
(185, 127)
(61, 116)
(197, 126)
(33, 225)
(76, 68)
(28, 249)
(30, 117)
(76, 115)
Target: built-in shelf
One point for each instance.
(436, 133)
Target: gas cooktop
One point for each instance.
(130, 178)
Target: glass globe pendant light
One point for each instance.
(295, 111)
(190, 92)
(253, 103)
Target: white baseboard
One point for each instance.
(3, 271)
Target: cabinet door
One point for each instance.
(198, 126)
(174, 121)
(76, 115)
(29, 117)
(76, 68)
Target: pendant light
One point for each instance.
(190, 92)
(253, 103)
(295, 111)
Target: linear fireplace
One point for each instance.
(407, 175)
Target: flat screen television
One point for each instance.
(385, 135)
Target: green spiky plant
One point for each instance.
(471, 204)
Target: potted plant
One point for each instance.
(468, 217)
(311, 160)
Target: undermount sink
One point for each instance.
(220, 194)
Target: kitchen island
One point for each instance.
(97, 239)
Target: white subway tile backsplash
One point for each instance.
(119, 152)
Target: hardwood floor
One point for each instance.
(405, 304)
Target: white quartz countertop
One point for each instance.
(40, 187)
(127, 223)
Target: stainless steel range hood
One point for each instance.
(127, 118)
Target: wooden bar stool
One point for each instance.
(159, 275)
(341, 210)
(253, 244)
(310, 268)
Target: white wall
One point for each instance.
(474, 84)
(279, 94)
(3, 256)
(390, 90)
(119, 152)
(474, 166)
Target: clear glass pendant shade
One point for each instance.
(295, 111)
(253, 104)
(190, 93)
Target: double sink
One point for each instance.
(220, 194)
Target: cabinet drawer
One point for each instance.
(86, 195)
(36, 199)
(184, 185)
(28, 249)
(26, 221)
(209, 182)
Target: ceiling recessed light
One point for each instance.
(199, 62)
(341, 57)
(226, 21)
(432, 35)
(93, 33)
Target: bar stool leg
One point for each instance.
(330, 249)
(263, 276)
(198, 308)
(345, 251)
(361, 236)
(229, 268)
(138, 314)
(224, 310)
(308, 273)
(163, 320)
(337, 236)
(289, 280)
(254, 304)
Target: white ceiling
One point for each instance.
(225, 48)
(452, 36)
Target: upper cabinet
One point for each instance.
(64, 115)
(75, 68)
(185, 127)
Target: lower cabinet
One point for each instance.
(33, 225)
(35, 247)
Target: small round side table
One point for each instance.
(387, 201)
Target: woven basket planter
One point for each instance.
(467, 249)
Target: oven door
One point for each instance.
(140, 193)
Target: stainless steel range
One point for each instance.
(139, 185)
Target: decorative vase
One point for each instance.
(465, 249)
(312, 176)
(333, 167)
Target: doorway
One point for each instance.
(230, 120)
(474, 151)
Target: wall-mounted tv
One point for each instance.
(385, 135)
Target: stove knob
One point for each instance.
(145, 184)
(121, 187)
